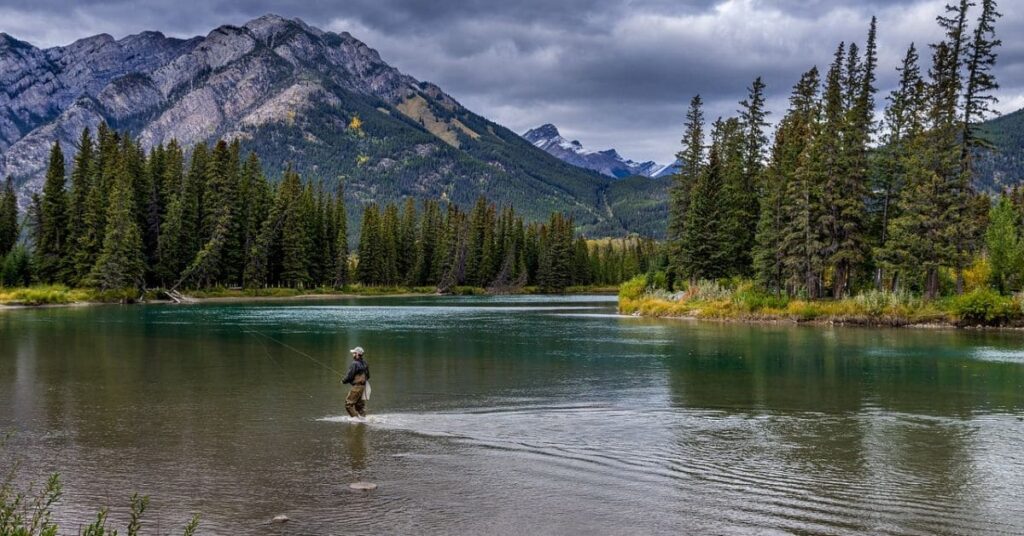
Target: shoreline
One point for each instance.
(699, 312)
(231, 296)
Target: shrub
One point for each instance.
(880, 302)
(753, 299)
(658, 279)
(803, 311)
(704, 290)
(985, 307)
(634, 288)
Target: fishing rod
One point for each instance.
(300, 352)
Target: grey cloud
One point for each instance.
(613, 73)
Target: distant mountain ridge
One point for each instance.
(290, 92)
(607, 162)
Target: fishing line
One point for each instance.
(300, 352)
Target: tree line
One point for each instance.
(838, 201)
(133, 219)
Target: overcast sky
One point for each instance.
(611, 73)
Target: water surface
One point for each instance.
(513, 415)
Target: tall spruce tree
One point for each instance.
(9, 229)
(978, 99)
(691, 161)
(705, 244)
(407, 231)
(78, 199)
(341, 252)
(904, 120)
(371, 268)
(52, 243)
(294, 243)
(120, 265)
(799, 238)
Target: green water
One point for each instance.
(514, 415)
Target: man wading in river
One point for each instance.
(358, 375)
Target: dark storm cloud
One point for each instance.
(613, 73)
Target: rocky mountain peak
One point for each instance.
(608, 162)
(288, 92)
(545, 131)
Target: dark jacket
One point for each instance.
(357, 368)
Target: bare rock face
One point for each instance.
(607, 162)
(291, 93)
(191, 90)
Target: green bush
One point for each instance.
(658, 279)
(753, 299)
(634, 288)
(985, 307)
(16, 268)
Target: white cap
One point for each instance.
(357, 350)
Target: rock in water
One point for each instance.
(280, 519)
(363, 486)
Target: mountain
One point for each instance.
(669, 170)
(607, 162)
(324, 103)
(1004, 166)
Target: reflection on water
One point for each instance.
(515, 414)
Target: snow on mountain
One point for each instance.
(608, 162)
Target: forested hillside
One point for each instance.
(1003, 166)
(324, 104)
(129, 219)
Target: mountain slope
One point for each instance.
(1003, 167)
(607, 162)
(292, 93)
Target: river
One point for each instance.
(512, 415)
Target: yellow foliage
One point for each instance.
(978, 274)
(362, 159)
(356, 125)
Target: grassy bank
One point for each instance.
(744, 302)
(62, 295)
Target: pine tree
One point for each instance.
(904, 120)
(341, 270)
(407, 231)
(120, 265)
(978, 100)
(9, 229)
(51, 246)
(738, 196)
(81, 182)
(849, 183)
(423, 272)
(100, 172)
(294, 243)
(691, 161)
(790, 210)
(389, 236)
(705, 248)
(371, 268)
(745, 193)
(172, 248)
(193, 200)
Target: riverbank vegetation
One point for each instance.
(130, 220)
(744, 300)
(23, 513)
(842, 218)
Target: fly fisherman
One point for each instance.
(358, 375)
